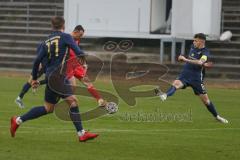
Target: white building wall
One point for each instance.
(182, 18)
(195, 16)
(108, 15)
(134, 18)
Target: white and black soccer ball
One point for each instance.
(111, 107)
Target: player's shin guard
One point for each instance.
(171, 91)
(24, 90)
(34, 113)
(75, 117)
(212, 109)
(93, 92)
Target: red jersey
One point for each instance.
(74, 68)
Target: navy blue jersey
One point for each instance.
(44, 60)
(193, 71)
(54, 50)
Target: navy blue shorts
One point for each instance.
(58, 90)
(197, 85)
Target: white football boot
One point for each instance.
(162, 95)
(221, 119)
(19, 102)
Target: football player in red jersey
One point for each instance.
(76, 69)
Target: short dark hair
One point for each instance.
(200, 36)
(79, 28)
(57, 22)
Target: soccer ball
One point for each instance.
(111, 107)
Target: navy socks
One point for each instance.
(24, 90)
(171, 91)
(34, 113)
(212, 109)
(27, 86)
(75, 117)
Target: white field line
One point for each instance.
(155, 131)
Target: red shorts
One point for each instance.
(75, 69)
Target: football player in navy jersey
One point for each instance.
(55, 48)
(192, 75)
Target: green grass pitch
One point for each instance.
(198, 137)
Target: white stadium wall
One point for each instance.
(137, 18)
(108, 15)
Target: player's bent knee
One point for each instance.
(49, 107)
(206, 102)
(205, 99)
(177, 84)
(72, 101)
(73, 104)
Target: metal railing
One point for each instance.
(173, 42)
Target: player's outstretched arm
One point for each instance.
(208, 65)
(192, 61)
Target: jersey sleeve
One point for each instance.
(41, 53)
(72, 44)
(205, 55)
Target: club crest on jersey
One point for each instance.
(199, 52)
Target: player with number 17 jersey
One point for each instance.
(55, 49)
